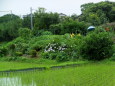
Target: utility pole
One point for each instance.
(11, 13)
(8, 12)
(31, 16)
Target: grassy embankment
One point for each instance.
(32, 63)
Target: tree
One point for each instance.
(8, 17)
(9, 27)
(98, 13)
(43, 20)
(69, 26)
(74, 16)
(26, 21)
(93, 18)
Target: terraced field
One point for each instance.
(101, 74)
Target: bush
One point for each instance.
(46, 33)
(49, 55)
(45, 55)
(113, 57)
(18, 53)
(3, 51)
(110, 25)
(96, 46)
(63, 48)
(17, 45)
(62, 56)
(69, 26)
(25, 33)
(33, 53)
(58, 56)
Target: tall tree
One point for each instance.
(98, 13)
(9, 27)
(44, 19)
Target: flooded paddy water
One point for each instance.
(90, 75)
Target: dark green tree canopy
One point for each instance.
(8, 17)
(44, 19)
(26, 21)
(98, 13)
(9, 25)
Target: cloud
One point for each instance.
(22, 7)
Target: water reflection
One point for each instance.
(15, 81)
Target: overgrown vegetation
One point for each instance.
(60, 38)
(96, 46)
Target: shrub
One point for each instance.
(49, 55)
(64, 46)
(33, 53)
(96, 46)
(18, 53)
(56, 28)
(113, 57)
(45, 55)
(110, 25)
(11, 58)
(17, 45)
(11, 46)
(69, 26)
(46, 33)
(25, 33)
(53, 55)
(37, 32)
(3, 51)
(62, 56)
(58, 56)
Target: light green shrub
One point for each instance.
(25, 33)
(46, 33)
(18, 53)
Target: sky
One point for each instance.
(22, 7)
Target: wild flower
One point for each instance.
(79, 34)
(107, 29)
(54, 47)
(72, 35)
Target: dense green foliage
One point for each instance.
(58, 36)
(98, 13)
(9, 25)
(26, 23)
(57, 41)
(69, 26)
(61, 47)
(43, 19)
(8, 30)
(92, 13)
(96, 46)
(8, 17)
(25, 33)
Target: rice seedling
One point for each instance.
(101, 74)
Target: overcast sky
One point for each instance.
(22, 7)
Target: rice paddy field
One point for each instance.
(94, 74)
(13, 65)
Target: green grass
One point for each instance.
(94, 74)
(31, 63)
